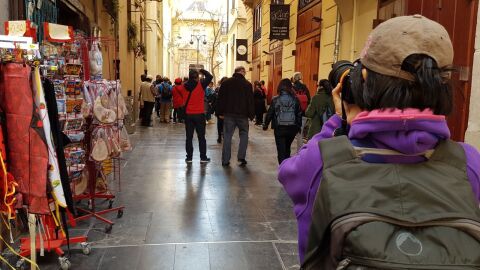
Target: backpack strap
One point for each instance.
(336, 150)
(450, 152)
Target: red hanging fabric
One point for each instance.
(26, 150)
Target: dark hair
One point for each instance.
(257, 83)
(143, 77)
(240, 69)
(327, 87)
(429, 90)
(286, 86)
(262, 82)
(222, 80)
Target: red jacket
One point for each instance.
(196, 104)
(177, 97)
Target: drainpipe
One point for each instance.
(336, 52)
(354, 26)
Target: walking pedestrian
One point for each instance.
(147, 100)
(303, 95)
(193, 93)
(165, 92)
(208, 108)
(285, 115)
(235, 105)
(391, 163)
(177, 100)
(320, 109)
(158, 81)
(141, 112)
(264, 88)
(259, 97)
(214, 102)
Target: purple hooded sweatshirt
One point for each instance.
(410, 132)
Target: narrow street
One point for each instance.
(181, 216)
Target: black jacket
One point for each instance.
(235, 98)
(273, 110)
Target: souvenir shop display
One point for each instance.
(63, 125)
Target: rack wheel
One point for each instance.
(120, 213)
(65, 263)
(86, 248)
(108, 228)
(10, 258)
(110, 204)
(90, 206)
(21, 265)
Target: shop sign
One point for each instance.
(279, 22)
(242, 49)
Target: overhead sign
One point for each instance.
(242, 49)
(279, 22)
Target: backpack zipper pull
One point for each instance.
(343, 264)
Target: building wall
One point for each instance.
(357, 22)
(327, 37)
(473, 131)
(249, 36)
(288, 59)
(237, 29)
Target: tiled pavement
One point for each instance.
(181, 216)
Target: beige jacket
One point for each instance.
(146, 92)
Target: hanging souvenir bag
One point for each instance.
(100, 150)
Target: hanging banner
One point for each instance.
(242, 49)
(279, 22)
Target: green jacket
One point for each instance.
(315, 111)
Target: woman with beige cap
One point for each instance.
(382, 186)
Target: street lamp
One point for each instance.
(198, 38)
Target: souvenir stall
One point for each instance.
(61, 139)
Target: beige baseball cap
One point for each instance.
(394, 40)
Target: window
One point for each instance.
(278, 2)
(257, 22)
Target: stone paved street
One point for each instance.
(194, 216)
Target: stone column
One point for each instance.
(473, 132)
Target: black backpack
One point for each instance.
(285, 110)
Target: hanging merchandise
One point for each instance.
(96, 61)
(53, 168)
(28, 154)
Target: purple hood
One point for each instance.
(410, 132)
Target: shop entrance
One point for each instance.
(275, 70)
(308, 44)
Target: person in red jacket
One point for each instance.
(195, 112)
(177, 100)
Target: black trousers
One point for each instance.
(147, 113)
(219, 127)
(284, 136)
(195, 123)
(157, 106)
(259, 117)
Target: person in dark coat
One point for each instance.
(235, 105)
(259, 97)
